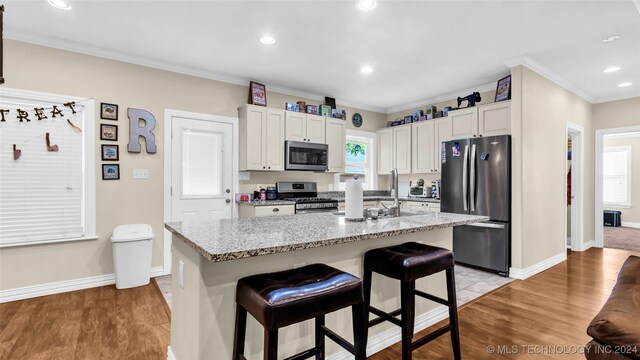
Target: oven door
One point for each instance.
(306, 156)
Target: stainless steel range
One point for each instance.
(305, 195)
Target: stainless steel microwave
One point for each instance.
(305, 156)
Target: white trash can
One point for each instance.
(132, 246)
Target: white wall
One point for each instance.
(631, 214)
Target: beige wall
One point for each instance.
(616, 114)
(629, 214)
(44, 69)
(540, 114)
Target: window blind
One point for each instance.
(616, 173)
(42, 192)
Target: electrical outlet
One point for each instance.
(140, 173)
(181, 274)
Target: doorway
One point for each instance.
(200, 169)
(617, 189)
(574, 184)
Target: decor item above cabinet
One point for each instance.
(304, 127)
(261, 138)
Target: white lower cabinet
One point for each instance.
(420, 206)
(246, 210)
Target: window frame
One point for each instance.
(628, 150)
(372, 161)
(89, 164)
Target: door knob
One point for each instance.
(227, 201)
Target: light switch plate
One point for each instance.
(140, 173)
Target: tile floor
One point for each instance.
(470, 284)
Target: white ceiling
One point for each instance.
(419, 50)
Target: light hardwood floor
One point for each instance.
(551, 308)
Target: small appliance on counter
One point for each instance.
(435, 189)
(419, 190)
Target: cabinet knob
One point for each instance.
(264, 167)
(269, 167)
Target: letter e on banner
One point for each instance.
(136, 131)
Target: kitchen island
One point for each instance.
(209, 257)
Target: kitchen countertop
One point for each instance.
(266, 203)
(230, 239)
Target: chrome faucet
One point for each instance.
(394, 210)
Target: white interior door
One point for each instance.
(201, 169)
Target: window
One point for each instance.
(616, 170)
(46, 195)
(360, 159)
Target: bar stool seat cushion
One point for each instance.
(408, 261)
(287, 297)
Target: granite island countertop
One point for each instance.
(230, 239)
(390, 198)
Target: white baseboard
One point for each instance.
(631, 224)
(28, 292)
(522, 274)
(586, 246)
(170, 354)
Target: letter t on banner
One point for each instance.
(136, 131)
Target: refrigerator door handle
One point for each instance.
(472, 178)
(465, 188)
(487, 225)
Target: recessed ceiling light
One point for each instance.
(612, 69)
(366, 5)
(267, 40)
(611, 38)
(60, 4)
(625, 84)
(366, 69)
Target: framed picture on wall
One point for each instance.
(257, 94)
(503, 90)
(108, 111)
(110, 172)
(108, 132)
(110, 153)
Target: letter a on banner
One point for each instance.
(136, 131)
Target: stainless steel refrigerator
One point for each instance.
(476, 180)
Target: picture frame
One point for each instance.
(108, 111)
(330, 101)
(110, 172)
(110, 153)
(257, 94)
(503, 89)
(108, 132)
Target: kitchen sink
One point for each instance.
(381, 216)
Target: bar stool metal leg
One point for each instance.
(408, 308)
(453, 313)
(240, 333)
(271, 344)
(319, 338)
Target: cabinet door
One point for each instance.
(274, 142)
(464, 123)
(256, 137)
(402, 148)
(336, 135)
(385, 151)
(422, 137)
(262, 211)
(295, 126)
(495, 119)
(316, 129)
(442, 134)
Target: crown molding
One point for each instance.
(85, 49)
(440, 98)
(618, 97)
(637, 3)
(551, 75)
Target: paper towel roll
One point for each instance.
(353, 206)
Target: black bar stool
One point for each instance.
(407, 263)
(287, 297)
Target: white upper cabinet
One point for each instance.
(385, 151)
(486, 120)
(303, 127)
(495, 119)
(316, 129)
(261, 138)
(295, 126)
(422, 147)
(336, 135)
(464, 123)
(402, 149)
